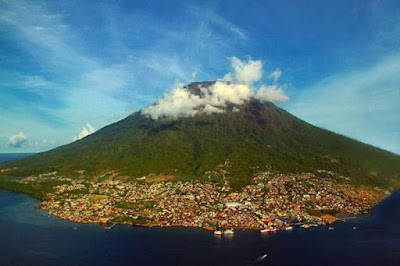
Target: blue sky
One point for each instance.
(71, 66)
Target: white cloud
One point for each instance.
(181, 102)
(271, 93)
(223, 93)
(244, 72)
(35, 144)
(87, 130)
(35, 81)
(17, 140)
(210, 16)
(209, 109)
(275, 75)
(176, 103)
(193, 76)
(236, 89)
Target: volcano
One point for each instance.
(235, 144)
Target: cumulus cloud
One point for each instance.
(176, 103)
(271, 93)
(181, 102)
(235, 88)
(244, 72)
(87, 130)
(222, 93)
(209, 109)
(17, 140)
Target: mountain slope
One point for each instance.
(245, 139)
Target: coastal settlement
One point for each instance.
(272, 201)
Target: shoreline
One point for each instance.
(244, 246)
(37, 207)
(253, 220)
(275, 229)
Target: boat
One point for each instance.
(305, 226)
(331, 228)
(229, 232)
(260, 258)
(218, 232)
(289, 228)
(109, 227)
(265, 230)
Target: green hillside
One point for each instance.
(257, 137)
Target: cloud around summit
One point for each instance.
(244, 72)
(235, 87)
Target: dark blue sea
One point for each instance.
(12, 156)
(31, 237)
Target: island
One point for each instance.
(272, 201)
(247, 164)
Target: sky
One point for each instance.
(69, 68)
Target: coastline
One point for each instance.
(130, 244)
(100, 203)
(243, 228)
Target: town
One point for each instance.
(271, 202)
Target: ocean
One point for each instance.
(12, 156)
(32, 237)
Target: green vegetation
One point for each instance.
(256, 138)
(322, 212)
(309, 203)
(36, 189)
